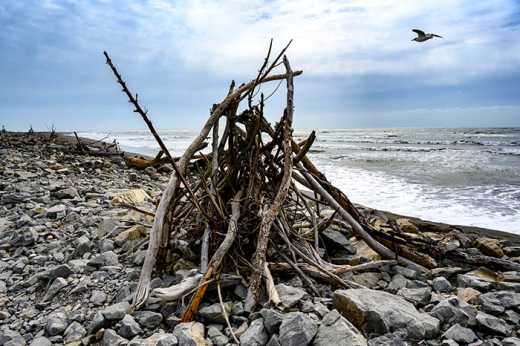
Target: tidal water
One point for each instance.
(458, 176)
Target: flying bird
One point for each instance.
(421, 36)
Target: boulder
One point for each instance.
(297, 329)
(381, 312)
(255, 335)
(406, 225)
(338, 331)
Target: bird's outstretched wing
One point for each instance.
(419, 32)
(437, 35)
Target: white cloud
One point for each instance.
(345, 38)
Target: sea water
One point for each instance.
(458, 176)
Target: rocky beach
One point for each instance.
(73, 237)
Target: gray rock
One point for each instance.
(473, 281)
(11, 337)
(98, 297)
(338, 331)
(217, 337)
(166, 339)
(129, 327)
(107, 258)
(60, 271)
(398, 282)
(407, 272)
(297, 329)
(74, 332)
(460, 334)
(497, 302)
(511, 342)
(190, 334)
(453, 310)
(40, 341)
(390, 339)
(57, 211)
(272, 320)
(441, 284)
(512, 317)
(290, 296)
(116, 311)
(68, 193)
(213, 312)
(381, 312)
(148, 319)
(255, 335)
(57, 285)
(493, 325)
(369, 279)
(417, 296)
(83, 245)
(56, 323)
(111, 338)
(338, 240)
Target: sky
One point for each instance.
(360, 65)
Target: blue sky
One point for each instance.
(361, 68)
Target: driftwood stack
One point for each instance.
(255, 205)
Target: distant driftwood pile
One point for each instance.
(256, 206)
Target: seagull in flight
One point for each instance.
(421, 36)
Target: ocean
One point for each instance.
(452, 175)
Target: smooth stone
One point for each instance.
(380, 312)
